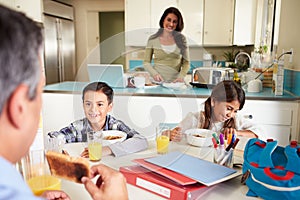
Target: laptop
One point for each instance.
(112, 74)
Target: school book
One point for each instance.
(203, 171)
(143, 178)
(174, 176)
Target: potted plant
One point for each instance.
(229, 58)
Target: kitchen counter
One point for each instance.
(144, 109)
(159, 91)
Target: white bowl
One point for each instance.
(199, 137)
(109, 137)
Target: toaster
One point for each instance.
(203, 76)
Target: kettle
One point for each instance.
(254, 86)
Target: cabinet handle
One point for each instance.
(249, 116)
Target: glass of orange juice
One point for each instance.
(36, 172)
(95, 145)
(162, 139)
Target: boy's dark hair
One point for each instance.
(99, 86)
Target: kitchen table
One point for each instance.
(231, 189)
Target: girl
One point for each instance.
(219, 114)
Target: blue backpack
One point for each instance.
(271, 171)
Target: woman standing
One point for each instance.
(168, 49)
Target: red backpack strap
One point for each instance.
(288, 176)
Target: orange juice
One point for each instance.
(162, 143)
(40, 184)
(95, 151)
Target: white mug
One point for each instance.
(139, 81)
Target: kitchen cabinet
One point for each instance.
(32, 8)
(142, 19)
(157, 9)
(137, 22)
(192, 13)
(244, 22)
(279, 119)
(218, 22)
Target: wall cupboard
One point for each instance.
(142, 19)
(207, 22)
(32, 8)
(218, 22)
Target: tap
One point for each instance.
(242, 59)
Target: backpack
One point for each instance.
(271, 171)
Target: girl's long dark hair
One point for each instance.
(225, 91)
(178, 37)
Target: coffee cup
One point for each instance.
(139, 81)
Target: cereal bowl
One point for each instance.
(113, 136)
(199, 137)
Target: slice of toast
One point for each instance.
(67, 167)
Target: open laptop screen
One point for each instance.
(112, 74)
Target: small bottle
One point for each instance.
(236, 77)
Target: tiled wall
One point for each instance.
(133, 64)
(292, 81)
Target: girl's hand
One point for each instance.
(227, 131)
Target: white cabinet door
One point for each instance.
(137, 22)
(218, 22)
(142, 19)
(32, 8)
(244, 22)
(157, 9)
(279, 119)
(8, 3)
(192, 13)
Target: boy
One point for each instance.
(97, 100)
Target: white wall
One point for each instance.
(83, 10)
(289, 30)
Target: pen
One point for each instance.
(216, 137)
(222, 149)
(222, 153)
(229, 151)
(233, 138)
(216, 149)
(229, 137)
(214, 142)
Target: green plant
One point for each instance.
(262, 49)
(230, 55)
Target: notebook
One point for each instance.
(174, 176)
(112, 74)
(203, 171)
